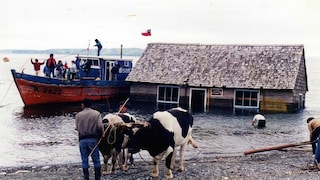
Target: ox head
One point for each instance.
(127, 118)
(130, 129)
(112, 119)
(138, 124)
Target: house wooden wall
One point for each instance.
(143, 92)
(270, 100)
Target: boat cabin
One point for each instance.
(103, 68)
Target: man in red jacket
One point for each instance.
(36, 65)
(51, 64)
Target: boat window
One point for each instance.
(126, 64)
(94, 62)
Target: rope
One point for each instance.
(6, 93)
(22, 67)
(142, 157)
(71, 54)
(107, 128)
(114, 130)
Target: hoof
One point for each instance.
(169, 177)
(125, 168)
(154, 175)
(181, 169)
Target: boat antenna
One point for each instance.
(121, 51)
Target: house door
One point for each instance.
(198, 99)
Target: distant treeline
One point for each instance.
(108, 52)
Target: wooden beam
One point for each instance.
(270, 148)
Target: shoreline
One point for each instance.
(291, 163)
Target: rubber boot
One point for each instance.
(85, 173)
(97, 173)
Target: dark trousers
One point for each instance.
(261, 124)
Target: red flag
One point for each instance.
(147, 33)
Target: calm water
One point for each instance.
(45, 135)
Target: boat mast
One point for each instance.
(121, 51)
(88, 48)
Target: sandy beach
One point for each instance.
(290, 163)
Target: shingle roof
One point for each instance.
(233, 66)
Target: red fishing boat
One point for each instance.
(105, 80)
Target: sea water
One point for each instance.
(45, 135)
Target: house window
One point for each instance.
(246, 99)
(168, 94)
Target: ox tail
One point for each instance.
(191, 141)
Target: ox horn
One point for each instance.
(134, 125)
(140, 124)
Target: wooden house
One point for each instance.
(262, 78)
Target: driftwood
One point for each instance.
(270, 148)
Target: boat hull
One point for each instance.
(35, 90)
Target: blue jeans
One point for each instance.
(51, 71)
(317, 153)
(86, 146)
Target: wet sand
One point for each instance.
(291, 163)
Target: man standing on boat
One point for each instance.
(99, 45)
(90, 129)
(36, 66)
(51, 65)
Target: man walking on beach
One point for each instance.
(90, 129)
(314, 131)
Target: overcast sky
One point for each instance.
(48, 24)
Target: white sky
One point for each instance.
(48, 24)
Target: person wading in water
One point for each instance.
(261, 121)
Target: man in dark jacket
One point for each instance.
(90, 129)
(99, 46)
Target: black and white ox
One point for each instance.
(160, 136)
(114, 140)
